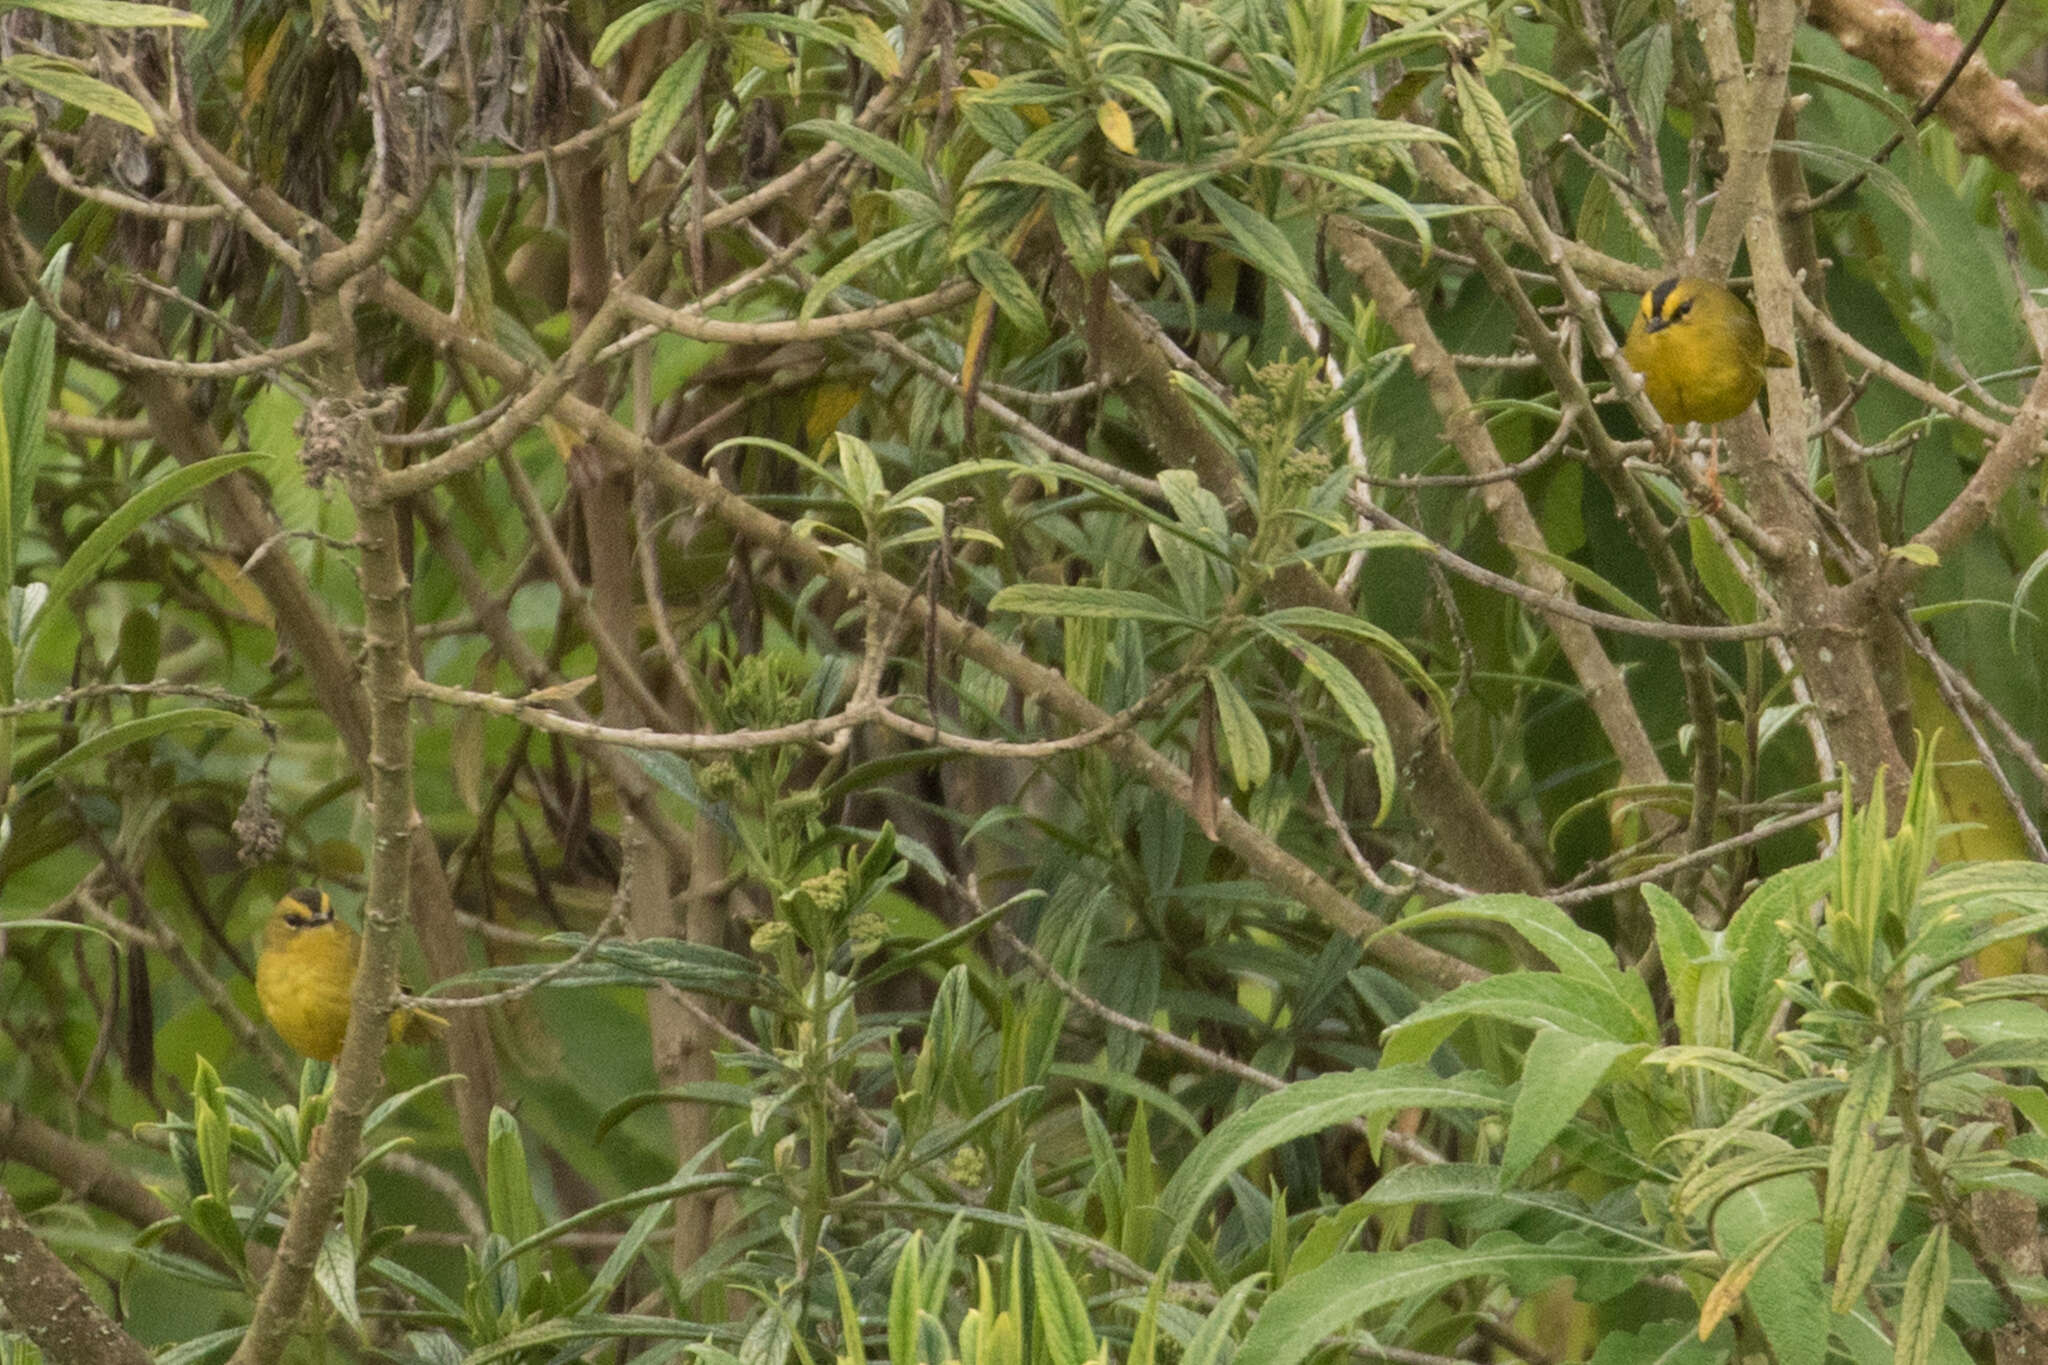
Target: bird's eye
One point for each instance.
(1681, 310)
(296, 921)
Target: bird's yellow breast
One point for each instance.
(303, 980)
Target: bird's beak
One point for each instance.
(1655, 325)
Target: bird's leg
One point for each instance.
(1714, 496)
(1676, 453)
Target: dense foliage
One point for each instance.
(1027, 677)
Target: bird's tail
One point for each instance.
(416, 1025)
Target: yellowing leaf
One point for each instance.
(872, 46)
(979, 324)
(563, 438)
(466, 757)
(1968, 795)
(562, 691)
(830, 403)
(1734, 1281)
(1116, 126)
(245, 593)
(256, 78)
(752, 50)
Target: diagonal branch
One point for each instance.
(46, 1302)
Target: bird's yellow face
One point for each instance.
(1699, 350)
(298, 912)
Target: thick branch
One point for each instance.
(93, 1176)
(1988, 116)
(46, 1303)
(359, 1076)
(1605, 689)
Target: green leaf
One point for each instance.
(130, 732)
(1012, 293)
(1303, 1313)
(1059, 1313)
(1268, 250)
(508, 1188)
(1302, 1108)
(1351, 698)
(84, 563)
(1788, 1294)
(687, 966)
(1926, 1295)
(70, 84)
(1109, 604)
(668, 99)
(1873, 1212)
(1035, 174)
(878, 152)
(1718, 573)
(894, 245)
(1488, 133)
(1759, 950)
(1080, 231)
(1621, 602)
(25, 377)
(334, 1270)
(209, 1216)
(903, 1304)
(850, 1333)
(619, 30)
(1559, 1073)
(1357, 628)
(8, 926)
(1544, 80)
(110, 13)
(1153, 189)
(210, 1132)
(1350, 133)
(1577, 953)
(1735, 1280)
(551, 1339)
(1355, 540)
(620, 1261)
(207, 1349)
(1527, 999)
(1244, 739)
(1864, 1105)
(687, 1181)
(1686, 953)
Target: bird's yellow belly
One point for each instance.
(1703, 393)
(307, 1001)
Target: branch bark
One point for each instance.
(48, 1304)
(359, 1075)
(1989, 116)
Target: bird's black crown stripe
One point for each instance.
(1660, 295)
(311, 900)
